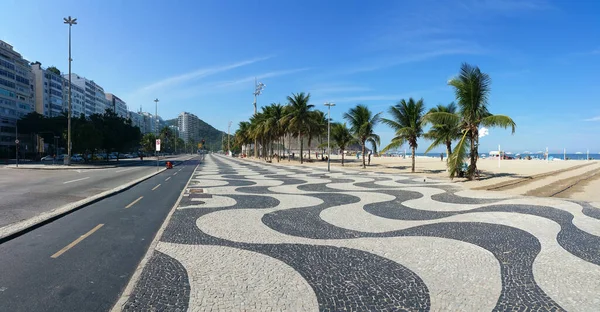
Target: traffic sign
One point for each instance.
(158, 145)
(17, 141)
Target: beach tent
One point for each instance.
(494, 153)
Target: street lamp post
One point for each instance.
(156, 125)
(258, 87)
(329, 105)
(67, 161)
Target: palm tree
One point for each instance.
(341, 137)
(242, 135)
(362, 124)
(316, 127)
(298, 116)
(407, 121)
(442, 133)
(472, 89)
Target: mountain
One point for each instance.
(210, 134)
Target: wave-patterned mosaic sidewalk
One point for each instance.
(254, 237)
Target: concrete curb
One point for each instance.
(16, 229)
(76, 166)
(140, 268)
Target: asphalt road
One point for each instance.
(83, 261)
(27, 193)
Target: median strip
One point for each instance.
(76, 180)
(156, 187)
(123, 170)
(77, 241)
(133, 203)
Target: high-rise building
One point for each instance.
(117, 105)
(188, 125)
(49, 90)
(137, 120)
(77, 99)
(95, 99)
(16, 92)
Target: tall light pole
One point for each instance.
(156, 125)
(67, 161)
(258, 87)
(329, 105)
(228, 137)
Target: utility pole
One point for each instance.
(67, 161)
(329, 105)
(258, 87)
(228, 138)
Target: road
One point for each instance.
(83, 261)
(27, 193)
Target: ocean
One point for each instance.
(570, 156)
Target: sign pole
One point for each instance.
(157, 150)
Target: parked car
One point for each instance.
(76, 158)
(47, 158)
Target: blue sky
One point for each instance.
(202, 56)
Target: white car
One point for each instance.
(47, 158)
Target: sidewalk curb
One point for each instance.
(17, 229)
(76, 166)
(140, 268)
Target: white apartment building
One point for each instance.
(95, 99)
(16, 92)
(77, 99)
(188, 125)
(137, 120)
(117, 105)
(49, 91)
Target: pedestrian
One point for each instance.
(442, 156)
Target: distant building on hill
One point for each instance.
(188, 125)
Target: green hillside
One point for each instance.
(207, 132)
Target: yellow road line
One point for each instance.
(77, 241)
(167, 179)
(133, 203)
(156, 187)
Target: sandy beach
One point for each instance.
(572, 179)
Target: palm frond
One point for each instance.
(457, 157)
(502, 121)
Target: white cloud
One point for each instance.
(203, 72)
(507, 5)
(235, 82)
(597, 118)
(411, 59)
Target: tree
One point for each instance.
(407, 122)
(242, 135)
(53, 69)
(362, 124)
(342, 137)
(298, 116)
(317, 126)
(148, 142)
(443, 133)
(472, 89)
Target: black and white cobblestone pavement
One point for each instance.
(254, 237)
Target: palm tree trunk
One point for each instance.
(289, 146)
(309, 141)
(413, 159)
(473, 165)
(301, 146)
(363, 154)
(342, 158)
(448, 150)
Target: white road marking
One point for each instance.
(123, 170)
(167, 179)
(76, 180)
(156, 187)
